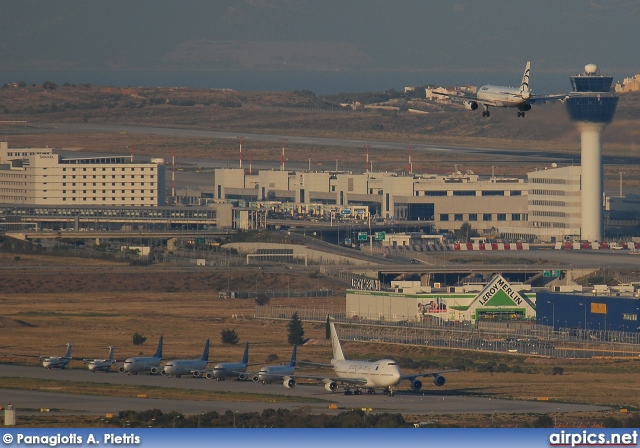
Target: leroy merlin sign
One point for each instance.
(499, 293)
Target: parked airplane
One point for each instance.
(502, 96)
(104, 365)
(267, 374)
(368, 375)
(57, 362)
(224, 370)
(149, 364)
(195, 367)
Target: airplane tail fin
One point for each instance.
(111, 348)
(292, 363)
(524, 85)
(245, 357)
(158, 353)
(205, 352)
(335, 343)
(68, 353)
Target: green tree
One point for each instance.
(138, 339)
(296, 332)
(262, 299)
(465, 232)
(229, 336)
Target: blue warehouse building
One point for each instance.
(593, 313)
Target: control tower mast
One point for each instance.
(592, 106)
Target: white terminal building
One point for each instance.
(544, 206)
(37, 176)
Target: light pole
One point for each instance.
(553, 314)
(585, 316)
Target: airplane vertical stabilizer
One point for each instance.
(205, 352)
(335, 343)
(68, 354)
(245, 357)
(111, 349)
(292, 362)
(524, 86)
(159, 350)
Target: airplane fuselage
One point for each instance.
(184, 367)
(100, 365)
(227, 370)
(275, 373)
(383, 373)
(141, 364)
(55, 362)
(502, 96)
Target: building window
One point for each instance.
(492, 193)
(444, 217)
(515, 193)
(457, 217)
(515, 217)
(486, 216)
(502, 216)
(473, 216)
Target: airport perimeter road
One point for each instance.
(431, 402)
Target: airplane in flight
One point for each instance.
(503, 96)
(195, 367)
(149, 364)
(57, 362)
(103, 365)
(365, 375)
(224, 370)
(267, 374)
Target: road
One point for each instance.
(427, 402)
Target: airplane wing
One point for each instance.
(421, 374)
(466, 97)
(545, 98)
(315, 364)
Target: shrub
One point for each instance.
(138, 339)
(229, 336)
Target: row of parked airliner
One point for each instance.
(354, 376)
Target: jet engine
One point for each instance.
(330, 386)
(121, 369)
(470, 105)
(154, 371)
(197, 374)
(438, 380)
(242, 377)
(255, 378)
(524, 107)
(416, 385)
(289, 382)
(163, 372)
(209, 375)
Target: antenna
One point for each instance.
(367, 164)
(282, 158)
(410, 163)
(240, 137)
(173, 174)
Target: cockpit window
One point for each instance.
(392, 364)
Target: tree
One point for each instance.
(229, 336)
(262, 299)
(465, 232)
(296, 332)
(138, 339)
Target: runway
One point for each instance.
(428, 402)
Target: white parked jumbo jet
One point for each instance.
(195, 367)
(224, 370)
(103, 365)
(57, 362)
(502, 96)
(149, 364)
(369, 375)
(267, 374)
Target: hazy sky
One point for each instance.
(323, 45)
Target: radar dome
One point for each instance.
(590, 69)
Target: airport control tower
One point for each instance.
(592, 106)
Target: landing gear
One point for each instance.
(520, 114)
(389, 391)
(371, 391)
(485, 112)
